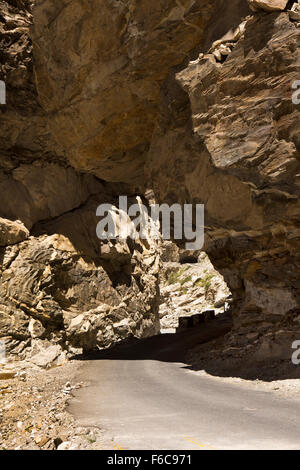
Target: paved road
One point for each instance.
(145, 397)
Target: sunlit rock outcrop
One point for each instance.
(191, 99)
(239, 154)
(100, 66)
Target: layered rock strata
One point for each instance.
(190, 98)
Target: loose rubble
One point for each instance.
(33, 409)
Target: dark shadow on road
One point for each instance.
(165, 347)
(176, 348)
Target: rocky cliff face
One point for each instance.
(239, 154)
(189, 285)
(108, 60)
(61, 288)
(190, 98)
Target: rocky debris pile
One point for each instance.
(223, 47)
(245, 352)
(33, 409)
(276, 376)
(248, 361)
(187, 289)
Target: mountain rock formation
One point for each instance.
(189, 98)
(189, 285)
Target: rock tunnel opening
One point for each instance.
(191, 126)
(191, 290)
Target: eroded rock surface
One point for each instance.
(61, 289)
(192, 99)
(268, 5)
(188, 288)
(12, 232)
(108, 60)
(65, 288)
(240, 156)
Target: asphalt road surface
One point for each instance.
(145, 397)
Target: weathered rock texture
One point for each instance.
(119, 94)
(60, 288)
(240, 156)
(107, 60)
(188, 288)
(268, 5)
(12, 232)
(64, 287)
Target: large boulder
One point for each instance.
(12, 232)
(268, 5)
